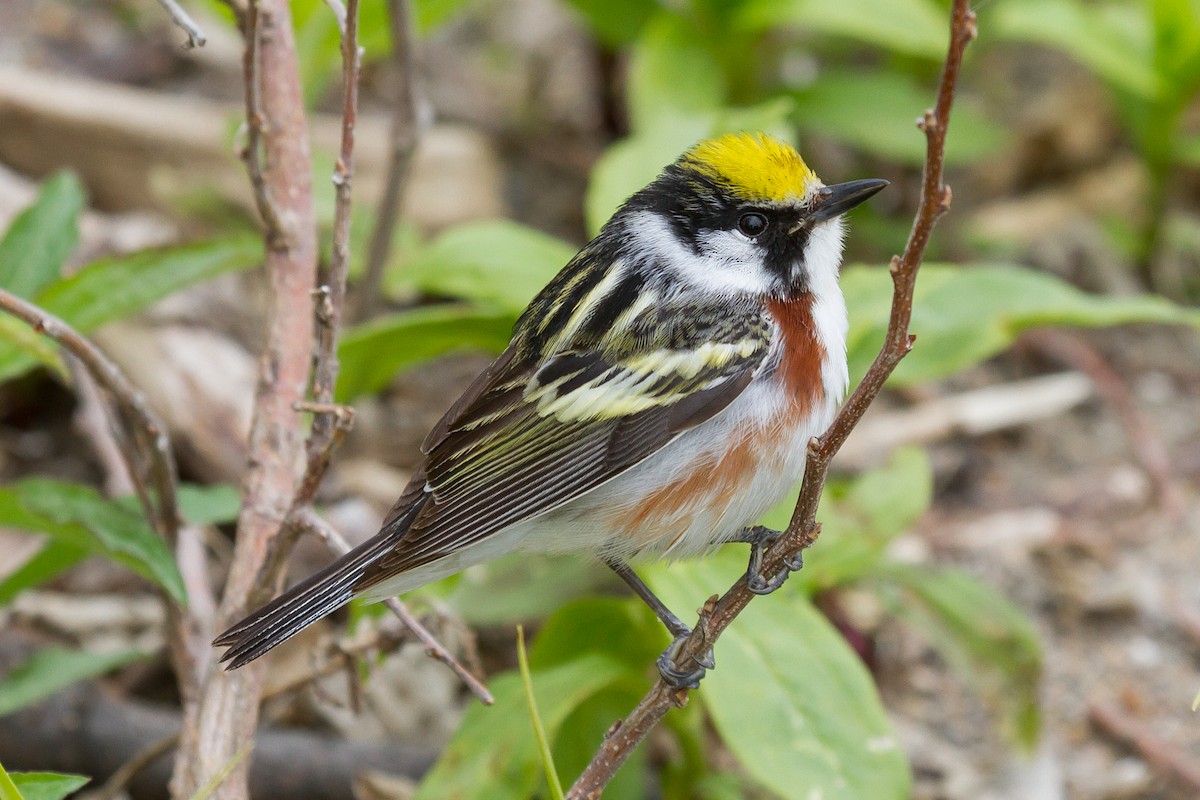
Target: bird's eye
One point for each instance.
(752, 223)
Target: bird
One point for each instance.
(656, 398)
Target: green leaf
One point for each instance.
(42, 236)
(53, 559)
(118, 287)
(518, 588)
(671, 73)
(209, 505)
(913, 27)
(1114, 41)
(789, 697)
(8, 789)
(615, 22)
(47, 785)
(876, 111)
(986, 638)
(19, 340)
(622, 629)
(54, 668)
(498, 263)
(78, 517)
(493, 755)
(371, 354)
(963, 315)
(859, 519)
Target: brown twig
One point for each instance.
(803, 529)
(145, 450)
(330, 422)
(1141, 737)
(407, 126)
(311, 521)
(278, 159)
(196, 37)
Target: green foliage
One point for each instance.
(912, 27)
(372, 353)
(1148, 54)
(77, 521)
(539, 731)
(789, 697)
(40, 239)
(54, 668)
(964, 315)
(38, 785)
(114, 288)
(984, 636)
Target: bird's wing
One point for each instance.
(534, 433)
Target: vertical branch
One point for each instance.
(803, 529)
(406, 131)
(331, 421)
(221, 722)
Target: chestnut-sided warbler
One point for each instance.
(657, 397)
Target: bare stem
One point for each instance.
(196, 37)
(309, 520)
(406, 132)
(221, 723)
(803, 529)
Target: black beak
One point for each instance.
(833, 201)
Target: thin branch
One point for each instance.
(407, 127)
(196, 37)
(1164, 756)
(331, 422)
(803, 529)
(311, 521)
(145, 450)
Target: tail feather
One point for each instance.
(308, 601)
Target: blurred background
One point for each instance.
(1004, 600)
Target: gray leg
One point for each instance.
(672, 674)
(760, 538)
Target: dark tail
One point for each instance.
(308, 601)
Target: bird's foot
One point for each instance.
(760, 538)
(684, 677)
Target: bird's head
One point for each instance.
(743, 213)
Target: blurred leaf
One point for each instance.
(54, 668)
(42, 236)
(539, 730)
(962, 316)
(114, 288)
(986, 638)
(493, 755)
(18, 340)
(373, 353)
(859, 519)
(518, 588)
(77, 516)
(47, 785)
(615, 22)
(623, 629)
(876, 111)
(53, 559)
(8, 789)
(632, 163)
(671, 73)
(789, 697)
(498, 263)
(1113, 40)
(209, 505)
(914, 27)
(583, 731)
(432, 13)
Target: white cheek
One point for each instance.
(728, 263)
(823, 257)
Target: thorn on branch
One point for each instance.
(946, 199)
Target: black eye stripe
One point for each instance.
(752, 223)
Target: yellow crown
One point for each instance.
(754, 167)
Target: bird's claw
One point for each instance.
(680, 678)
(759, 538)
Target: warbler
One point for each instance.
(657, 396)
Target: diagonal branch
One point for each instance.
(803, 529)
(184, 20)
